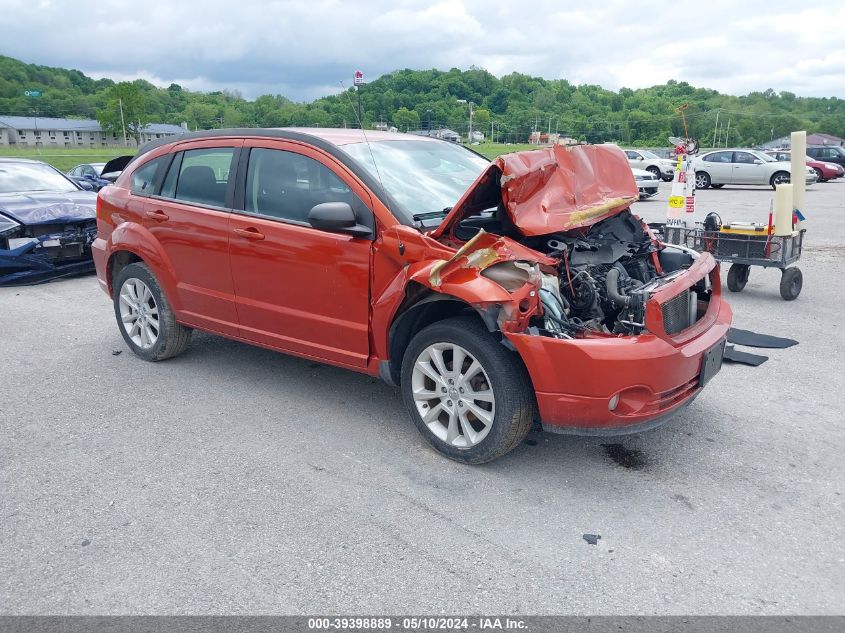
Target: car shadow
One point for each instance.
(255, 373)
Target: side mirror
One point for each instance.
(758, 162)
(88, 177)
(337, 217)
(84, 184)
(639, 158)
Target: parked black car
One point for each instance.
(828, 153)
(47, 223)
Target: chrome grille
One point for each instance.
(676, 313)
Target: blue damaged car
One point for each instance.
(47, 223)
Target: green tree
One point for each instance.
(405, 119)
(124, 110)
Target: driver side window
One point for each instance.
(286, 185)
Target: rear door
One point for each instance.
(190, 219)
(298, 288)
(718, 165)
(748, 169)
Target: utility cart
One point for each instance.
(744, 246)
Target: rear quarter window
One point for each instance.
(145, 177)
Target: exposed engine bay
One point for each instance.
(605, 275)
(595, 266)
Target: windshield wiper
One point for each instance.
(419, 217)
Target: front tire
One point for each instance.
(469, 397)
(144, 316)
(702, 180)
(654, 171)
(780, 178)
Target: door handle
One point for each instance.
(250, 233)
(157, 215)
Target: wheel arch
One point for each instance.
(420, 308)
(130, 243)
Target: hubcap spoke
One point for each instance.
(436, 356)
(484, 396)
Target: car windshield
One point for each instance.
(648, 154)
(15, 177)
(423, 177)
(765, 157)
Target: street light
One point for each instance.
(428, 112)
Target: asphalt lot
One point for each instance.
(236, 480)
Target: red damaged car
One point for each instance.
(494, 294)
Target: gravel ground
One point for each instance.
(237, 480)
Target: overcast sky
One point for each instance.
(305, 49)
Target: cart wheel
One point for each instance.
(738, 277)
(791, 281)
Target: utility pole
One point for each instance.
(122, 122)
(471, 104)
(714, 127)
(727, 133)
(492, 140)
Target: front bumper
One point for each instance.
(653, 375)
(647, 191)
(51, 255)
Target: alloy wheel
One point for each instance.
(139, 313)
(453, 394)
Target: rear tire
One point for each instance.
(791, 282)
(501, 382)
(738, 277)
(702, 180)
(144, 316)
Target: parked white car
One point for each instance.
(644, 159)
(646, 183)
(742, 167)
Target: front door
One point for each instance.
(298, 288)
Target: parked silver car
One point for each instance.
(646, 183)
(645, 159)
(742, 167)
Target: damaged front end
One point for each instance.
(40, 243)
(553, 227)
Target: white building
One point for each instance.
(19, 131)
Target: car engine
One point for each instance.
(606, 276)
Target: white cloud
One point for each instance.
(304, 49)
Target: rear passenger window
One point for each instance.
(203, 176)
(286, 185)
(144, 178)
(718, 157)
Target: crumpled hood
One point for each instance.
(41, 207)
(554, 189)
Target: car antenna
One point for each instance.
(369, 147)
